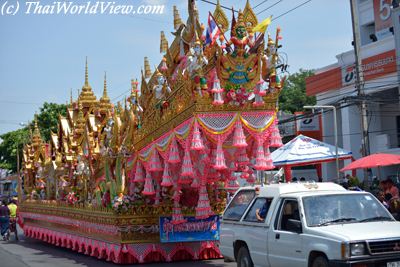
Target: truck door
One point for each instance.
(285, 241)
(257, 230)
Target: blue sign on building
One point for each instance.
(191, 230)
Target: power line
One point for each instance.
(260, 4)
(269, 7)
(225, 7)
(296, 7)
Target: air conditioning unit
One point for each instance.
(382, 142)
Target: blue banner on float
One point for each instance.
(189, 231)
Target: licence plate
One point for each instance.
(393, 264)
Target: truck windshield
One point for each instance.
(343, 208)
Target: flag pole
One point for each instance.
(218, 26)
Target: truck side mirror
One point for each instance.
(294, 226)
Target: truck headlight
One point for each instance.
(357, 249)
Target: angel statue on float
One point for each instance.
(197, 60)
(161, 89)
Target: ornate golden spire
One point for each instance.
(249, 17)
(177, 19)
(86, 75)
(220, 17)
(87, 97)
(80, 122)
(36, 138)
(71, 101)
(147, 70)
(163, 43)
(105, 103)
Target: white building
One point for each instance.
(335, 85)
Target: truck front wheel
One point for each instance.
(244, 259)
(320, 261)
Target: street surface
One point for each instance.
(34, 253)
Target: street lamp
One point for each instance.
(335, 132)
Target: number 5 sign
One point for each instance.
(382, 14)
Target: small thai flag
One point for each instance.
(212, 30)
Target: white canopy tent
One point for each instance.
(304, 150)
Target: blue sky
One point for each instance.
(42, 57)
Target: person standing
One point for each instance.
(4, 220)
(13, 217)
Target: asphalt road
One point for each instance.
(35, 253)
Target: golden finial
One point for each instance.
(86, 75)
(105, 96)
(105, 103)
(220, 17)
(249, 17)
(177, 19)
(163, 43)
(80, 122)
(157, 73)
(71, 101)
(147, 70)
(36, 138)
(87, 97)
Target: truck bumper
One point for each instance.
(366, 262)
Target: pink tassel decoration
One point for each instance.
(197, 142)
(148, 185)
(239, 139)
(166, 177)
(196, 182)
(268, 159)
(232, 185)
(243, 159)
(203, 209)
(275, 139)
(216, 86)
(260, 157)
(261, 87)
(187, 168)
(219, 157)
(218, 99)
(251, 179)
(139, 176)
(155, 163)
(177, 217)
(173, 156)
(258, 100)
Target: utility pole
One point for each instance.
(360, 82)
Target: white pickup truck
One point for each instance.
(310, 225)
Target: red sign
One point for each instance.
(382, 14)
(372, 67)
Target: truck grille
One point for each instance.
(384, 246)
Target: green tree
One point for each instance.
(47, 121)
(293, 96)
(8, 147)
(48, 118)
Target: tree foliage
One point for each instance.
(47, 121)
(293, 96)
(48, 118)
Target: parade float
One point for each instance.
(146, 180)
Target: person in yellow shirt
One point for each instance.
(13, 217)
(13, 209)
